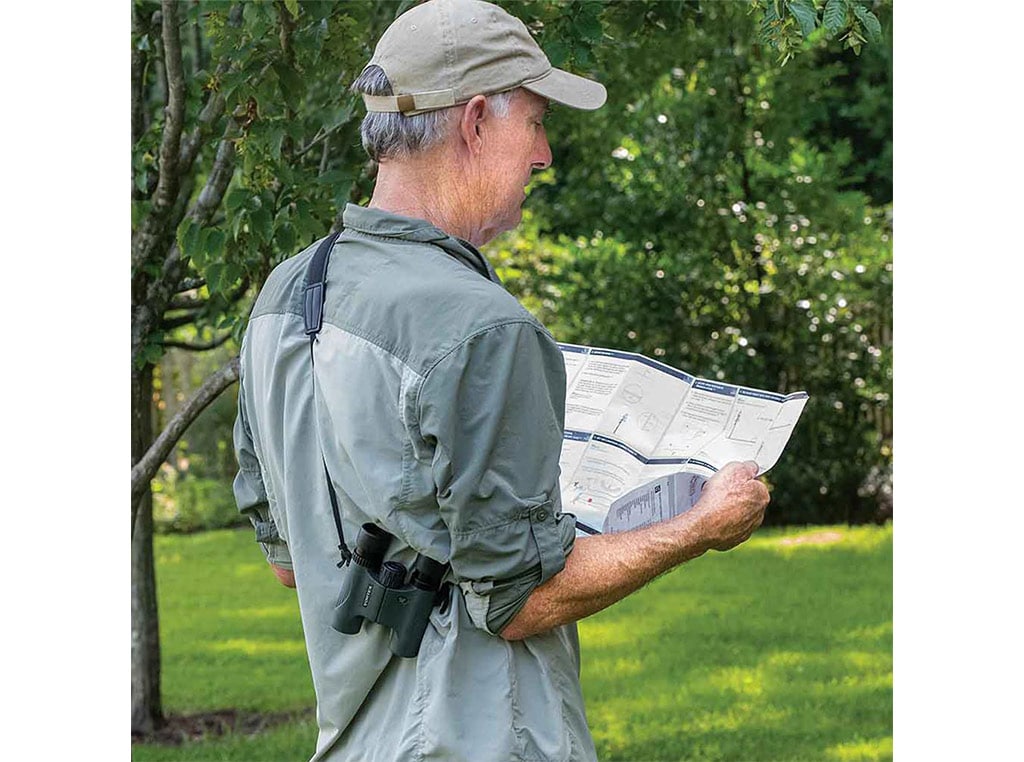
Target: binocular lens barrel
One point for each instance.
(392, 574)
(371, 545)
(426, 573)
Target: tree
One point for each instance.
(245, 149)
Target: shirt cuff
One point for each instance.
(493, 604)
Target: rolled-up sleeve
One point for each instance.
(494, 408)
(251, 493)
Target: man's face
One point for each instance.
(517, 146)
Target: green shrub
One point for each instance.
(189, 504)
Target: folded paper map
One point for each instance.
(631, 421)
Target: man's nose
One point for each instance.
(542, 157)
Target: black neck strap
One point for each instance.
(316, 273)
(313, 317)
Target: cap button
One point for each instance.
(413, 27)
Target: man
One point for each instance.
(432, 403)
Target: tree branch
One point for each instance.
(144, 471)
(138, 70)
(197, 44)
(180, 302)
(177, 321)
(188, 284)
(243, 286)
(175, 119)
(217, 181)
(149, 312)
(197, 347)
(213, 109)
(319, 138)
(154, 226)
(324, 156)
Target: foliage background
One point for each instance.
(722, 213)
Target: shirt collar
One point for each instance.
(379, 222)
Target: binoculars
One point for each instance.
(380, 593)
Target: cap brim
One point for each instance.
(569, 90)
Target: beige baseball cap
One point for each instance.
(443, 52)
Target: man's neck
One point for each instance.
(427, 189)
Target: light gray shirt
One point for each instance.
(437, 402)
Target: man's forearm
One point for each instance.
(604, 569)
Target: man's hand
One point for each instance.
(731, 506)
(285, 576)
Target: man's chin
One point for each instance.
(501, 226)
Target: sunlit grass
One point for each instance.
(230, 633)
(778, 650)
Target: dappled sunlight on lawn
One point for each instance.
(822, 674)
(774, 651)
(738, 680)
(818, 539)
(249, 570)
(608, 634)
(741, 716)
(257, 647)
(862, 751)
(770, 652)
(286, 610)
(662, 720)
(804, 696)
(879, 634)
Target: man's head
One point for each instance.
(467, 76)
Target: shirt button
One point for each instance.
(541, 514)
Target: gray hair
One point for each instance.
(388, 135)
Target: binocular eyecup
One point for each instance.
(377, 591)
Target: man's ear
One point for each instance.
(471, 124)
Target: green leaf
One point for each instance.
(275, 137)
(805, 15)
(588, 26)
(239, 329)
(870, 23)
(834, 18)
(152, 353)
(293, 7)
(306, 225)
(214, 273)
(557, 52)
(187, 237)
(236, 199)
(232, 272)
(200, 252)
(139, 211)
(285, 238)
(236, 226)
(214, 243)
(292, 86)
(261, 223)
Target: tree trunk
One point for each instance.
(147, 711)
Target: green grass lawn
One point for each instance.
(778, 650)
